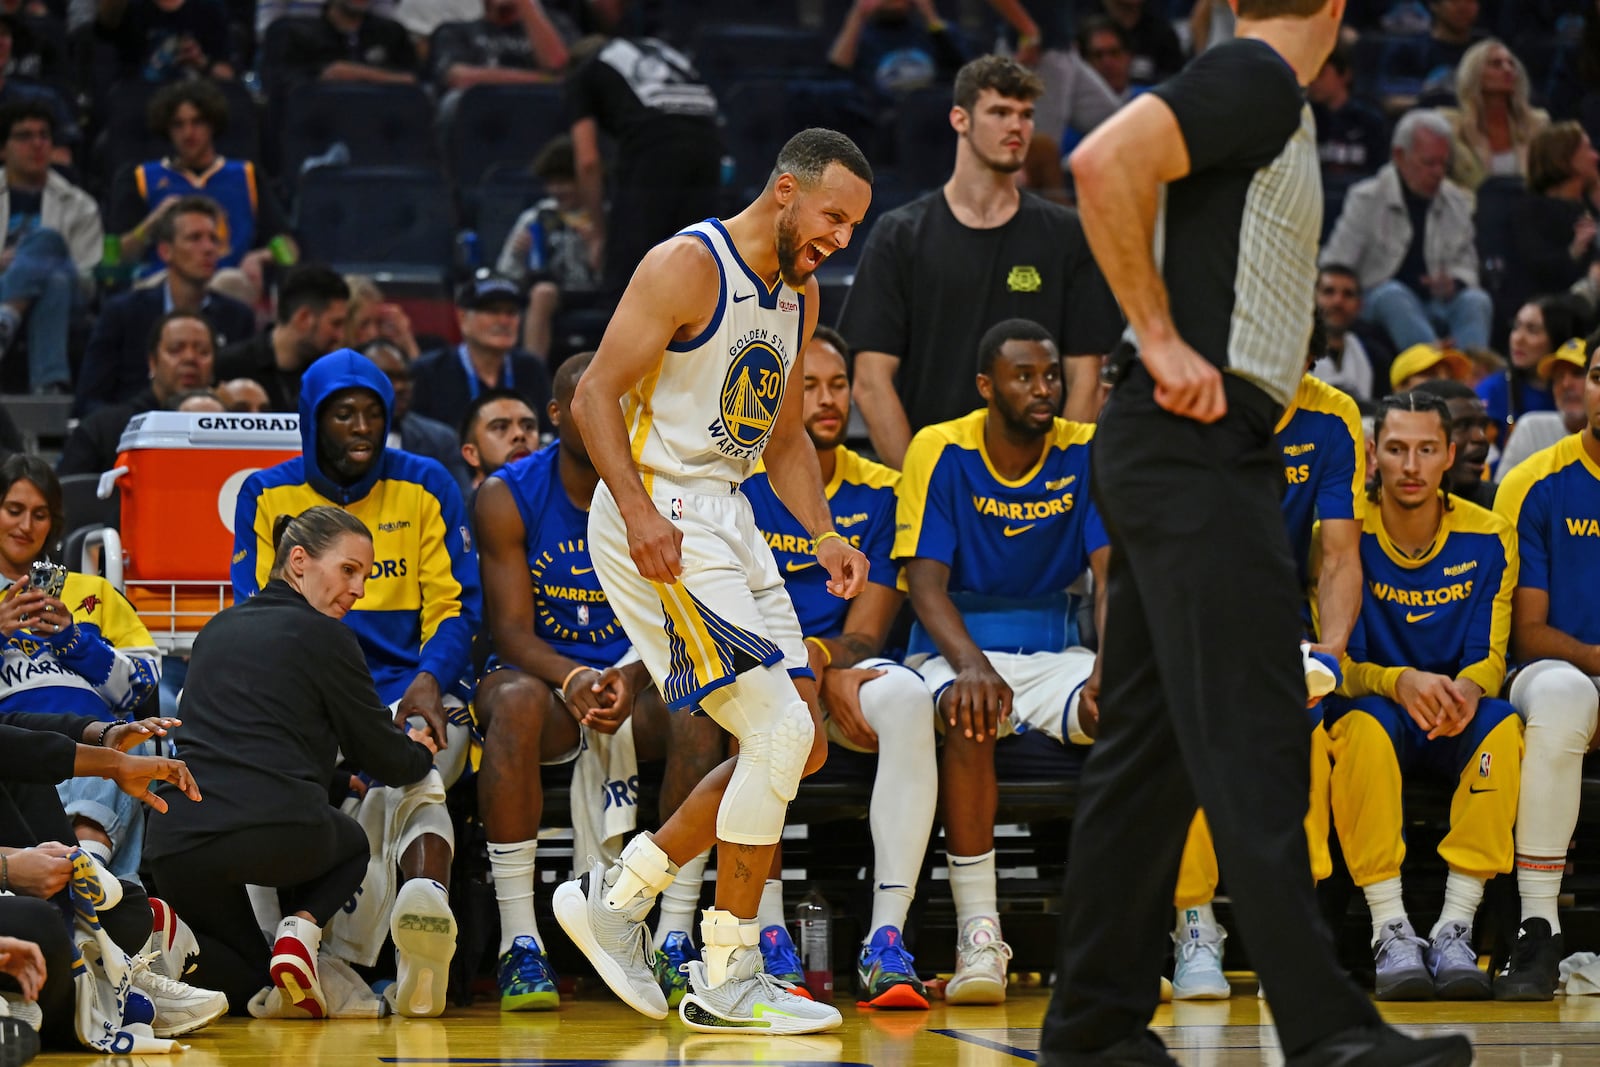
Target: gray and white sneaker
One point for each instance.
(750, 1000)
(1402, 973)
(180, 1008)
(1454, 964)
(12, 1005)
(617, 943)
(981, 959)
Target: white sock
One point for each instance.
(1462, 895)
(1539, 886)
(680, 901)
(99, 850)
(1386, 902)
(972, 885)
(905, 790)
(770, 911)
(512, 867)
(1199, 916)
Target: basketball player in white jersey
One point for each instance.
(691, 386)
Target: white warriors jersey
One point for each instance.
(707, 408)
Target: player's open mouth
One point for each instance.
(813, 255)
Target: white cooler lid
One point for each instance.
(205, 429)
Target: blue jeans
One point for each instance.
(44, 274)
(115, 812)
(174, 670)
(1408, 320)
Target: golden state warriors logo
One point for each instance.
(751, 392)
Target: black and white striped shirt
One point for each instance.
(1236, 240)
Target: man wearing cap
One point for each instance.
(1563, 371)
(448, 380)
(1425, 362)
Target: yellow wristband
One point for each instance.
(821, 537)
(573, 673)
(827, 657)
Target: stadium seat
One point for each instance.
(761, 115)
(492, 124)
(387, 221)
(83, 508)
(380, 125)
(505, 192)
(1502, 278)
(725, 53)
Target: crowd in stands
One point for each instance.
(157, 256)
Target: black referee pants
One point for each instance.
(316, 869)
(1203, 703)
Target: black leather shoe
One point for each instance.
(1380, 1046)
(1143, 1051)
(18, 1042)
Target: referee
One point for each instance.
(1202, 201)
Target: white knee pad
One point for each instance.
(774, 730)
(1557, 699)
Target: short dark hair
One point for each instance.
(1414, 401)
(995, 338)
(555, 160)
(1446, 389)
(1279, 9)
(469, 420)
(153, 341)
(166, 227)
(25, 110)
(1550, 155)
(310, 285)
(1094, 24)
(566, 378)
(315, 530)
(206, 98)
(27, 467)
(809, 153)
(1339, 58)
(1343, 270)
(829, 336)
(1002, 74)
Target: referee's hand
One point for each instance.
(1187, 383)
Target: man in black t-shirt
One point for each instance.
(667, 170)
(938, 272)
(162, 42)
(348, 43)
(511, 44)
(1203, 689)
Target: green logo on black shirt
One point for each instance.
(1024, 280)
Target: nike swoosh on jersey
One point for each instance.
(582, 570)
(1475, 789)
(1059, 483)
(1414, 617)
(796, 565)
(1012, 532)
(739, 298)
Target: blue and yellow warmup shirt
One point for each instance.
(105, 667)
(1553, 500)
(1448, 612)
(570, 610)
(423, 601)
(1324, 464)
(861, 497)
(1013, 547)
(229, 182)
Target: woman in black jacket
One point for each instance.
(277, 689)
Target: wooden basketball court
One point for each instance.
(595, 1029)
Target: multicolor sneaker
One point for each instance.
(178, 1008)
(749, 1000)
(782, 960)
(171, 940)
(981, 959)
(617, 943)
(1197, 963)
(674, 952)
(887, 975)
(526, 981)
(293, 969)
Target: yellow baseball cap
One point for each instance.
(1419, 358)
(1574, 351)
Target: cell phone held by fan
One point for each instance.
(49, 578)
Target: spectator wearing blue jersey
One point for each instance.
(999, 646)
(1551, 499)
(564, 685)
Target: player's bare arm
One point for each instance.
(979, 698)
(1338, 584)
(796, 477)
(1532, 636)
(1119, 170)
(1089, 696)
(673, 295)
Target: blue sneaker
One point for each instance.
(782, 961)
(887, 974)
(526, 981)
(674, 952)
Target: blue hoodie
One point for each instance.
(423, 601)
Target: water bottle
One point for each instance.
(815, 919)
(536, 245)
(468, 253)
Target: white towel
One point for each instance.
(1580, 975)
(605, 795)
(347, 996)
(102, 974)
(393, 817)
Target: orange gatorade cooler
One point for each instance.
(179, 474)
